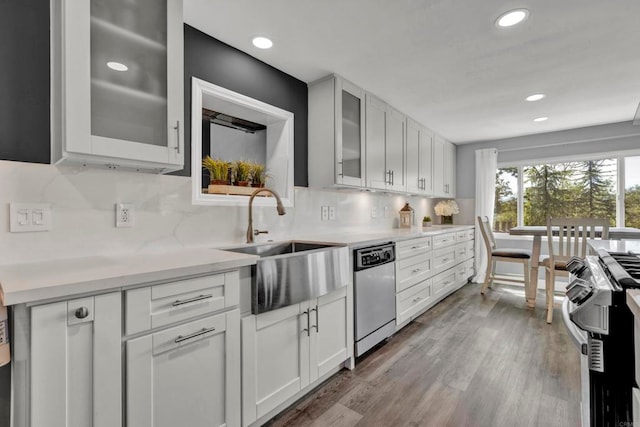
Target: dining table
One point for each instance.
(537, 231)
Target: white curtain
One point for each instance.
(486, 168)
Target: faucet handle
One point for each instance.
(257, 232)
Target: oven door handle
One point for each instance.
(578, 336)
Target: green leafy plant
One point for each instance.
(258, 174)
(242, 170)
(218, 169)
(426, 219)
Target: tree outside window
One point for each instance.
(564, 189)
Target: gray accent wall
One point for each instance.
(567, 144)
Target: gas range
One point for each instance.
(599, 320)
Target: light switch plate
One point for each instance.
(374, 212)
(26, 217)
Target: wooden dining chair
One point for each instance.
(495, 255)
(571, 237)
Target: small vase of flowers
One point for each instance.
(426, 221)
(446, 209)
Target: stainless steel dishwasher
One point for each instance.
(374, 295)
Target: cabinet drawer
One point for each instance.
(462, 273)
(164, 304)
(412, 270)
(188, 333)
(442, 240)
(412, 300)
(464, 250)
(464, 235)
(443, 282)
(444, 259)
(413, 247)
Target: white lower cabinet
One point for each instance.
(75, 365)
(424, 275)
(286, 350)
(186, 375)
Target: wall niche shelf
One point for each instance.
(279, 143)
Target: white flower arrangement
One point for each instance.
(446, 208)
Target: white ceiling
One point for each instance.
(444, 62)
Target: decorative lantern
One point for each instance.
(406, 216)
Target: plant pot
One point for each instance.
(218, 182)
(426, 223)
(242, 183)
(447, 219)
(261, 185)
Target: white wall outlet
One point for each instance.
(324, 213)
(124, 214)
(25, 217)
(374, 212)
(332, 213)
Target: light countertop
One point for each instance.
(30, 282)
(633, 301)
(356, 239)
(616, 245)
(38, 281)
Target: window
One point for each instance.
(505, 212)
(565, 189)
(632, 191)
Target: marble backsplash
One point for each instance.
(83, 213)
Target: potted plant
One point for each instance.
(242, 173)
(258, 175)
(426, 221)
(218, 170)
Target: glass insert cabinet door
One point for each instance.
(350, 135)
(129, 71)
(130, 67)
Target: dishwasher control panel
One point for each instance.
(375, 255)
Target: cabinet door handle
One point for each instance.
(308, 328)
(82, 312)
(177, 128)
(194, 299)
(392, 179)
(317, 325)
(193, 335)
(387, 181)
(341, 173)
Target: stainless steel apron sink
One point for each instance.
(291, 272)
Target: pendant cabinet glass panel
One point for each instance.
(118, 80)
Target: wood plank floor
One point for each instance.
(471, 360)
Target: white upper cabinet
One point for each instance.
(385, 133)
(419, 160)
(444, 163)
(117, 83)
(336, 133)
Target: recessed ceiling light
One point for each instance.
(262, 42)
(540, 119)
(535, 97)
(118, 66)
(512, 17)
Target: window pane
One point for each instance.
(632, 192)
(570, 189)
(505, 212)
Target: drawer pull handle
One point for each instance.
(445, 259)
(416, 270)
(446, 283)
(82, 312)
(194, 299)
(193, 335)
